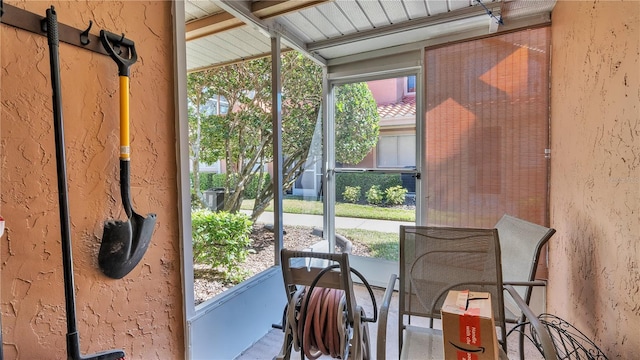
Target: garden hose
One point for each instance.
(322, 329)
(320, 325)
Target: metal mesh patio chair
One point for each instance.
(521, 243)
(434, 260)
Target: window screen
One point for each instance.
(487, 121)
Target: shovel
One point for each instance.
(73, 337)
(124, 242)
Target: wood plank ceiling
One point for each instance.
(220, 32)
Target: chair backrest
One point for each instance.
(521, 243)
(434, 260)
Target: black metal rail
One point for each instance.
(28, 21)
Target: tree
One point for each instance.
(357, 122)
(199, 94)
(243, 137)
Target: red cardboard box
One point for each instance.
(468, 326)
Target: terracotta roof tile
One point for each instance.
(405, 107)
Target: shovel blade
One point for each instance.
(124, 244)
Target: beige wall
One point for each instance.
(387, 91)
(141, 313)
(595, 171)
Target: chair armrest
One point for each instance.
(526, 283)
(545, 338)
(381, 346)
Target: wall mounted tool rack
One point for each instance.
(28, 21)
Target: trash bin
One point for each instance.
(214, 198)
(409, 180)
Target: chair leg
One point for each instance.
(521, 343)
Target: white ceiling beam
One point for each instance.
(222, 21)
(270, 8)
(241, 10)
(211, 24)
(270, 28)
(295, 43)
(514, 25)
(471, 11)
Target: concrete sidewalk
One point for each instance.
(341, 222)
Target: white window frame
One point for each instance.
(208, 326)
(375, 270)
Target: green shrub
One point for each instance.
(365, 180)
(220, 239)
(351, 194)
(374, 195)
(395, 195)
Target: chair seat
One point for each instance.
(426, 343)
(422, 343)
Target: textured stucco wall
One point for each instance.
(141, 313)
(595, 172)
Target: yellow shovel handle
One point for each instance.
(124, 118)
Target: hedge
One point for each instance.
(365, 181)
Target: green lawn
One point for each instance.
(342, 209)
(382, 245)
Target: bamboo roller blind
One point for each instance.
(487, 128)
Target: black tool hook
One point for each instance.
(1, 9)
(116, 45)
(84, 36)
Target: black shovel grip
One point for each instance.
(109, 40)
(52, 27)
